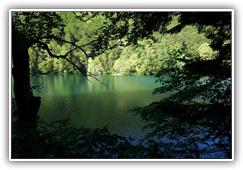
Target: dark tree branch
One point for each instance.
(80, 47)
(45, 46)
(56, 38)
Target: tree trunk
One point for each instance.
(27, 104)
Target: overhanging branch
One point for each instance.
(79, 47)
(45, 46)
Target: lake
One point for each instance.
(93, 105)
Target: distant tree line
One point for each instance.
(147, 57)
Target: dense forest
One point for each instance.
(147, 57)
(193, 48)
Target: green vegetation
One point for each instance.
(60, 139)
(193, 47)
(196, 119)
(147, 57)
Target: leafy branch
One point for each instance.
(45, 46)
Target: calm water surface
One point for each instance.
(93, 105)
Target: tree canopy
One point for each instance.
(194, 48)
(107, 46)
(198, 114)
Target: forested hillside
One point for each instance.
(147, 57)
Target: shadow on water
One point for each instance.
(94, 106)
(97, 110)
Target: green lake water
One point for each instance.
(92, 105)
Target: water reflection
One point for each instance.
(93, 105)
